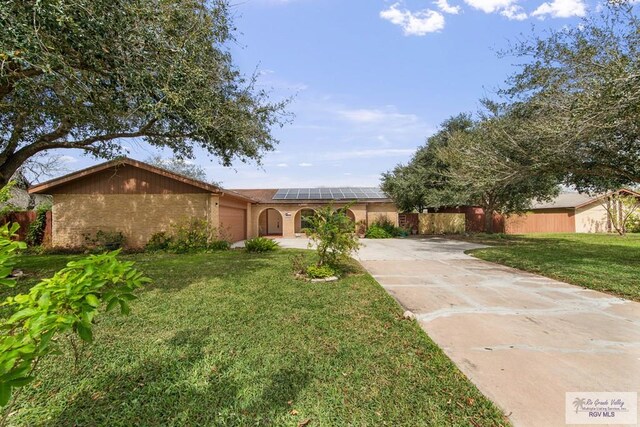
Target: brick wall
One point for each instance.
(138, 216)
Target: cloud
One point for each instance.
(67, 159)
(364, 115)
(305, 165)
(417, 23)
(561, 9)
(445, 7)
(368, 153)
(514, 13)
(282, 165)
(490, 6)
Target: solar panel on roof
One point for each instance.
(333, 193)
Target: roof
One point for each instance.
(47, 186)
(273, 195)
(572, 200)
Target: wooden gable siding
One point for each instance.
(126, 179)
(542, 221)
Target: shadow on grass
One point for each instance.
(185, 390)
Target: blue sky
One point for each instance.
(370, 79)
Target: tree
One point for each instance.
(179, 166)
(481, 163)
(333, 233)
(621, 208)
(580, 88)
(423, 182)
(87, 73)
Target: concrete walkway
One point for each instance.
(523, 339)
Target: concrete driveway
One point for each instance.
(523, 339)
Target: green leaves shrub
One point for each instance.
(64, 305)
(377, 232)
(320, 272)
(188, 236)
(333, 232)
(159, 242)
(260, 244)
(35, 232)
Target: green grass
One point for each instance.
(233, 339)
(604, 262)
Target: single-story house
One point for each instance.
(140, 200)
(569, 212)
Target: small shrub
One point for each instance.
(35, 232)
(320, 272)
(159, 242)
(260, 244)
(332, 231)
(298, 264)
(377, 232)
(219, 245)
(105, 240)
(191, 235)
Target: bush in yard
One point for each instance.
(320, 272)
(105, 240)
(195, 235)
(219, 245)
(56, 310)
(333, 233)
(35, 232)
(260, 244)
(158, 242)
(377, 232)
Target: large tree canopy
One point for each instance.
(86, 73)
(423, 182)
(580, 88)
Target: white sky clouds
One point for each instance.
(561, 9)
(417, 23)
(445, 7)
(423, 22)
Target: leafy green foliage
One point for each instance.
(320, 272)
(105, 240)
(35, 233)
(424, 182)
(578, 88)
(377, 232)
(63, 305)
(333, 233)
(179, 166)
(159, 242)
(84, 74)
(5, 196)
(260, 244)
(194, 235)
(8, 251)
(219, 245)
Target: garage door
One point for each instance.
(233, 223)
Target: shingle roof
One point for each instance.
(574, 199)
(565, 200)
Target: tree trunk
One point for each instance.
(488, 220)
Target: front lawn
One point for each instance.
(604, 262)
(233, 339)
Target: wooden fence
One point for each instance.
(442, 223)
(24, 219)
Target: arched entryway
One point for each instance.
(351, 215)
(301, 219)
(270, 223)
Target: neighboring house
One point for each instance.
(568, 213)
(140, 200)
